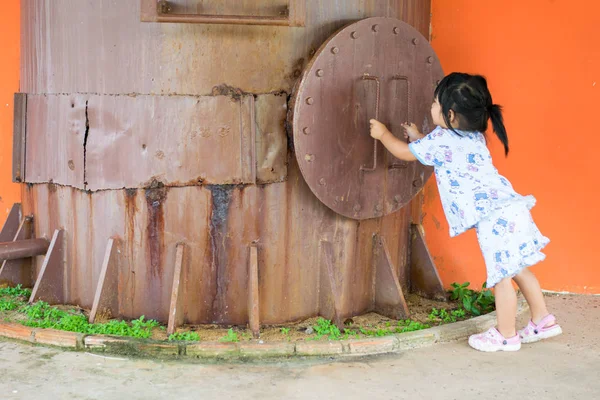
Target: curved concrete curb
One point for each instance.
(255, 349)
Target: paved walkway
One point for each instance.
(563, 368)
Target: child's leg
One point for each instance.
(532, 291)
(506, 307)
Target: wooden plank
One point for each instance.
(253, 296)
(424, 278)
(389, 298)
(175, 309)
(19, 272)
(12, 223)
(19, 136)
(49, 285)
(106, 298)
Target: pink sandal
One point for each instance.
(534, 333)
(492, 340)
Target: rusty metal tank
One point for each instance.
(210, 162)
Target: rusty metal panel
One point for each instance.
(178, 141)
(376, 68)
(19, 136)
(56, 132)
(178, 58)
(271, 138)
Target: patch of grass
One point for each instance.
(16, 291)
(285, 331)
(185, 337)
(231, 337)
(325, 327)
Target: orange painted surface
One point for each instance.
(9, 84)
(542, 61)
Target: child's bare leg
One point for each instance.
(532, 291)
(506, 307)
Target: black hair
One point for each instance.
(470, 99)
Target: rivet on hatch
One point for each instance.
(310, 101)
(320, 73)
(378, 208)
(354, 35)
(415, 41)
(429, 60)
(396, 30)
(375, 28)
(309, 157)
(335, 50)
(322, 182)
(396, 199)
(357, 207)
(306, 130)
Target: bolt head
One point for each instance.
(310, 101)
(375, 28)
(429, 60)
(357, 207)
(396, 30)
(320, 73)
(322, 182)
(335, 50)
(306, 130)
(354, 35)
(309, 157)
(415, 41)
(378, 208)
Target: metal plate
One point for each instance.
(336, 97)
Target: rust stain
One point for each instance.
(155, 228)
(230, 91)
(221, 198)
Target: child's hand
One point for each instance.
(377, 129)
(411, 131)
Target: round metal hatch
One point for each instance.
(376, 68)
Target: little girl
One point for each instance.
(474, 195)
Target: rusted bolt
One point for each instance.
(415, 41)
(416, 183)
(375, 28)
(310, 101)
(357, 207)
(306, 130)
(322, 182)
(396, 30)
(156, 204)
(396, 199)
(71, 165)
(378, 208)
(354, 35)
(429, 60)
(320, 73)
(335, 50)
(309, 157)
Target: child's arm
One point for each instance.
(394, 145)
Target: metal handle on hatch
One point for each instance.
(376, 79)
(403, 164)
(160, 11)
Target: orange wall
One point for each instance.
(542, 61)
(9, 84)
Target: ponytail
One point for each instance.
(495, 112)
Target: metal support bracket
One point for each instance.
(19, 271)
(49, 285)
(328, 292)
(175, 308)
(424, 278)
(253, 294)
(106, 300)
(389, 298)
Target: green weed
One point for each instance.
(185, 337)
(231, 337)
(325, 327)
(474, 302)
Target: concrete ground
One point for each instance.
(567, 367)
